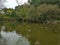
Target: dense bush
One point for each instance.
(48, 12)
(29, 13)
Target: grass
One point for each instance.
(46, 34)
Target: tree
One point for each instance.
(38, 2)
(9, 12)
(35, 2)
(23, 11)
(48, 12)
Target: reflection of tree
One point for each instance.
(2, 40)
(19, 40)
(0, 35)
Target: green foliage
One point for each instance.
(25, 12)
(29, 13)
(9, 12)
(35, 2)
(39, 2)
(48, 12)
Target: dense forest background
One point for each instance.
(36, 11)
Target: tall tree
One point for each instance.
(38, 2)
(23, 11)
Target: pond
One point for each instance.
(12, 38)
(15, 33)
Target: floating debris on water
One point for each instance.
(37, 43)
(30, 30)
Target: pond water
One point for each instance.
(41, 34)
(12, 38)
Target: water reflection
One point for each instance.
(12, 38)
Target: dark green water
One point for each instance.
(45, 34)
